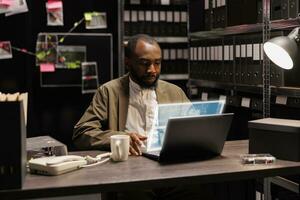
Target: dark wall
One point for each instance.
(51, 111)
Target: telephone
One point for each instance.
(56, 165)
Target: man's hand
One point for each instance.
(136, 140)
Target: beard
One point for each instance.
(144, 81)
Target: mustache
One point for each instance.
(149, 75)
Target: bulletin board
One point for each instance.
(85, 47)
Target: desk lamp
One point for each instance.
(269, 134)
(283, 50)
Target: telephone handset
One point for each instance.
(56, 165)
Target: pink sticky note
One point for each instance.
(5, 2)
(52, 5)
(47, 67)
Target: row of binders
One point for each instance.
(222, 13)
(279, 9)
(174, 61)
(156, 22)
(237, 59)
(156, 2)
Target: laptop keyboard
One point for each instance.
(156, 153)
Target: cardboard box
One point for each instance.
(279, 137)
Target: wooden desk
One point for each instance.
(142, 173)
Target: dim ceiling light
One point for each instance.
(283, 50)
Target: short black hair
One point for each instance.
(131, 45)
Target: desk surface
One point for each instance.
(141, 173)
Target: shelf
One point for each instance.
(174, 76)
(210, 84)
(167, 39)
(254, 89)
(246, 28)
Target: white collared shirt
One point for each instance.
(141, 109)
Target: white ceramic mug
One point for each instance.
(119, 145)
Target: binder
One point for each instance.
(228, 64)
(162, 23)
(133, 25)
(181, 62)
(196, 16)
(165, 61)
(199, 62)
(148, 23)
(205, 63)
(155, 23)
(207, 16)
(169, 25)
(293, 8)
(241, 12)
(238, 60)
(220, 12)
(279, 9)
(176, 24)
(141, 21)
(193, 64)
(172, 67)
(259, 11)
(234, 12)
(243, 60)
(127, 22)
(249, 59)
(257, 68)
(183, 23)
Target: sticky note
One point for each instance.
(5, 2)
(40, 55)
(245, 102)
(51, 5)
(88, 16)
(47, 67)
(281, 100)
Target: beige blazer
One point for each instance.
(107, 112)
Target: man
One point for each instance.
(126, 105)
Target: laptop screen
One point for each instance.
(166, 111)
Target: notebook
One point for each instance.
(193, 137)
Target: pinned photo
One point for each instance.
(95, 20)
(70, 57)
(19, 6)
(5, 50)
(55, 13)
(90, 81)
(46, 49)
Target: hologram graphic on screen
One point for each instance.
(190, 109)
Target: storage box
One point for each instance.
(12, 145)
(279, 137)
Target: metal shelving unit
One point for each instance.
(282, 24)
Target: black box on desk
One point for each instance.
(279, 137)
(12, 145)
(41, 146)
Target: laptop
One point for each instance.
(189, 137)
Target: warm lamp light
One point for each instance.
(283, 50)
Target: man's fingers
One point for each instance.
(133, 151)
(136, 147)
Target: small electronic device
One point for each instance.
(56, 165)
(260, 158)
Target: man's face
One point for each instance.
(144, 65)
